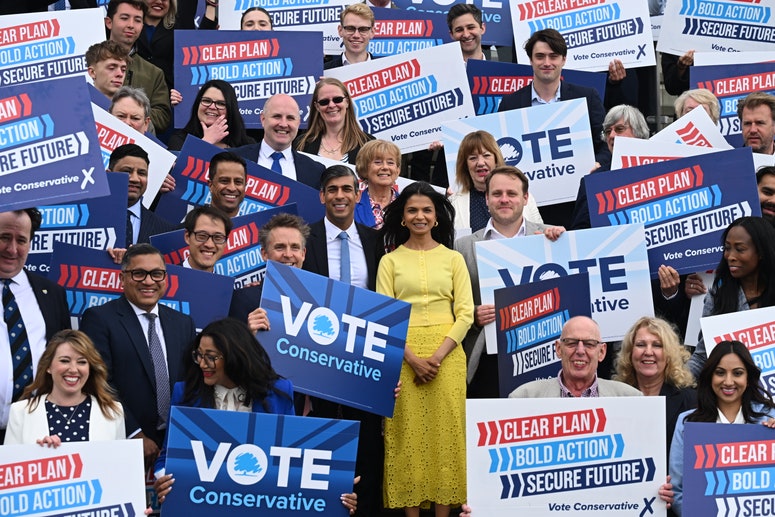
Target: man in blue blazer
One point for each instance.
(280, 119)
(121, 331)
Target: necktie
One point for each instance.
(344, 262)
(130, 236)
(276, 157)
(159, 370)
(60, 5)
(17, 337)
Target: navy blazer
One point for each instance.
(152, 224)
(316, 260)
(308, 171)
(120, 339)
(52, 300)
(244, 301)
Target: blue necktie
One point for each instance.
(276, 162)
(159, 371)
(20, 345)
(344, 262)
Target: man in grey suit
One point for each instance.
(506, 195)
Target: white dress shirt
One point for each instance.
(359, 274)
(286, 163)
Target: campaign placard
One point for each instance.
(292, 15)
(264, 189)
(754, 328)
(405, 98)
(732, 83)
(258, 64)
(496, 17)
(615, 259)
(334, 340)
(397, 31)
(596, 31)
(243, 463)
(98, 223)
(695, 128)
(490, 81)
(241, 259)
(91, 278)
(717, 25)
(529, 319)
(47, 45)
(49, 152)
(566, 456)
(719, 58)
(684, 204)
(728, 470)
(633, 152)
(73, 479)
(551, 144)
(113, 133)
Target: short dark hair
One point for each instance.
(122, 151)
(507, 170)
(137, 250)
(337, 171)
(458, 10)
(768, 170)
(260, 9)
(36, 219)
(754, 100)
(551, 37)
(113, 6)
(189, 223)
(283, 220)
(225, 156)
(104, 50)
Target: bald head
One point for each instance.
(580, 350)
(280, 120)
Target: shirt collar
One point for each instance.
(592, 391)
(491, 234)
(332, 231)
(136, 208)
(536, 99)
(266, 151)
(721, 419)
(345, 62)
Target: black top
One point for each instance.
(70, 423)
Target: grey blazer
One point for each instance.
(550, 388)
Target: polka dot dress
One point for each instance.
(70, 423)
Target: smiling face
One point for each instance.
(480, 164)
(108, 75)
(648, 357)
(383, 171)
(468, 32)
(147, 293)
(128, 111)
(209, 114)
(15, 238)
(280, 119)
(740, 254)
(730, 379)
(356, 43)
(579, 362)
(204, 255)
(213, 371)
(758, 129)
(125, 26)
(419, 215)
(340, 195)
(227, 187)
(69, 371)
(333, 113)
(285, 245)
(137, 169)
(157, 9)
(547, 64)
(505, 199)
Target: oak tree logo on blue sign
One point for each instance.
(511, 150)
(246, 464)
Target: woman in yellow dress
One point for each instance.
(425, 440)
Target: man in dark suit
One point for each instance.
(144, 345)
(132, 159)
(356, 28)
(280, 120)
(42, 305)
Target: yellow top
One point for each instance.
(435, 282)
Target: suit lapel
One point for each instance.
(134, 330)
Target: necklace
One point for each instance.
(67, 420)
(333, 149)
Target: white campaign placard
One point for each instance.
(83, 478)
(717, 25)
(731, 58)
(615, 258)
(694, 128)
(551, 144)
(596, 32)
(695, 312)
(632, 152)
(566, 456)
(405, 98)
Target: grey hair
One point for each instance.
(631, 116)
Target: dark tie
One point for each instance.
(276, 157)
(17, 337)
(344, 259)
(159, 370)
(130, 236)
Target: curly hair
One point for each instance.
(394, 233)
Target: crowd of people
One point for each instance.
(133, 358)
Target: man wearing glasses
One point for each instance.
(580, 350)
(207, 229)
(356, 28)
(143, 344)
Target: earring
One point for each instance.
(435, 224)
(403, 223)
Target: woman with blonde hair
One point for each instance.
(69, 400)
(378, 165)
(690, 99)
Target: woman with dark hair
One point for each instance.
(333, 132)
(215, 118)
(77, 405)
(728, 392)
(745, 278)
(427, 431)
(255, 19)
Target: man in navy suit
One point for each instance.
(280, 120)
(42, 304)
(356, 28)
(125, 331)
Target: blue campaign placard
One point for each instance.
(491, 80)
(265, 189)
(49, 152)
(684, 204)
(334, 340)
(98, 223)
(728, 470)
(258, 64)
(241, 259)
(730, 84)
(244, 464)
(529, 319)
(397, 31)
(495, 16)
(91, 278)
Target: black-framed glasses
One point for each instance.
(209, 358)
(571, 343)
(202, 236)
(618, 129)
(139, 275)
(336, 100)
(207, 102)
(350, 29)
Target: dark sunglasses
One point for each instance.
(326, 102)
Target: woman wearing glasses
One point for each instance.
(215, 118)
(333, 131)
